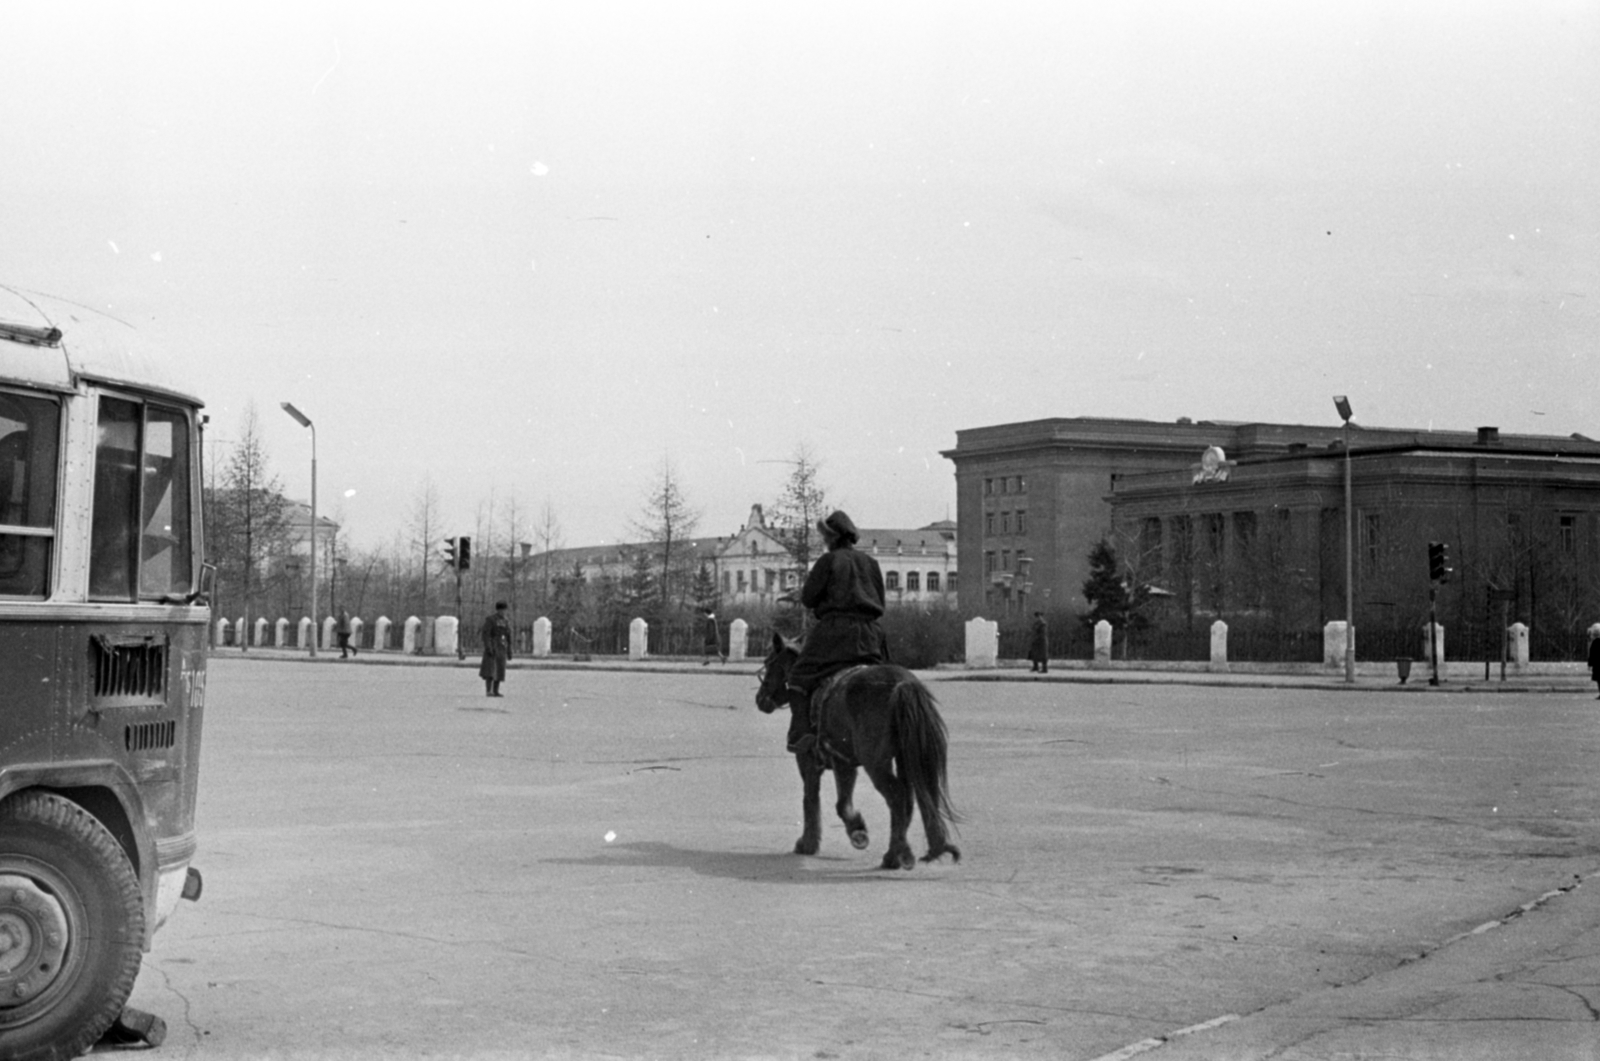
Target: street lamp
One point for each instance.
(305, 421)
(1342, 403)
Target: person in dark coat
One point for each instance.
(496, 649)
(1594, 660)
(712, 643)
(844, 591)
(1039, 645)
(346, 649)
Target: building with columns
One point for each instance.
(1033, 498)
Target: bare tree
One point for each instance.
(666, 522)
(547, 538)
(802, 503)
(425, 536)
(249, 522)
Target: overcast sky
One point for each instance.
(535, 249)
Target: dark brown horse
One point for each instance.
(883, 720)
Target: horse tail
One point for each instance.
(921, 743)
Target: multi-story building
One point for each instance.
(1034, 498)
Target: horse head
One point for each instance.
(775, 673)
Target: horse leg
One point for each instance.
(897, 794)
(844, 783)
(810, 805)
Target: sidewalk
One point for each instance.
(1370, 677)
(1524, 986)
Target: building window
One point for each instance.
(949, 582)
(1022, 521)
(1005, 559)
(1370, 526)
(988, 563)
(1022, 484)
(933, 582)
(913, 582)
(1005, 486)
(741, 582)
(988, 523)
(891, 579)
(1567, 534)
(988, 487)
(1005, 523)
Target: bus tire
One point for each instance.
(71, 928)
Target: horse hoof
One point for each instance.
(858, 839)
(802, 847)
(894, 861)
(949, 849)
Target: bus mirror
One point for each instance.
(208, 584)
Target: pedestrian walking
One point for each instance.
(712, 639)
(496, 649)
(1039, 646)
(346, 649)
(1594, 658)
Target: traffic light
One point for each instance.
(463, 554)
(1439, 562)
(448, 551)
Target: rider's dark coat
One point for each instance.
(844, 590)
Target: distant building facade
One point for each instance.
(1033, 499)
(755, 567)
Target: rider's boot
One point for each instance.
(801, 739)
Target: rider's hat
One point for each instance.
(838, 525)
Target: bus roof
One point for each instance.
(52, 343)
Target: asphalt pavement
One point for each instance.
(1522, 982)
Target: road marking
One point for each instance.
(1143, 1045)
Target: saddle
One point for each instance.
(829, 752)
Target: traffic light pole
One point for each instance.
(461, 652)
(1433, 633)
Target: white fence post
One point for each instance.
(983, 642)
(1219, 646)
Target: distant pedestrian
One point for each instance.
(712, 639)
(1594, 659)
(346, 649)
(496, 649)
(1039, 645)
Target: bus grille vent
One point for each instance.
(143, 736)
(130, 669)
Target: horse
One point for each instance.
(879, 718)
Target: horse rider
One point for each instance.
(844, 591)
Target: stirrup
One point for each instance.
(803, 744)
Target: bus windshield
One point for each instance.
(142, 535)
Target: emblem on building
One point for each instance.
(1213, 467)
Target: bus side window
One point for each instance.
(30, 431)
(116, 499)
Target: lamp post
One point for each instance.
(1342, 403)
(305, 421)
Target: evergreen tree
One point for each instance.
(1106, 591)
(705, 588)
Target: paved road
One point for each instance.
(596, 865)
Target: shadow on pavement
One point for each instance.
(773, 868)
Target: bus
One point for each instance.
(104, 615)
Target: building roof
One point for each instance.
(1240, 440)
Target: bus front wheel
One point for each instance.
(71, 928)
